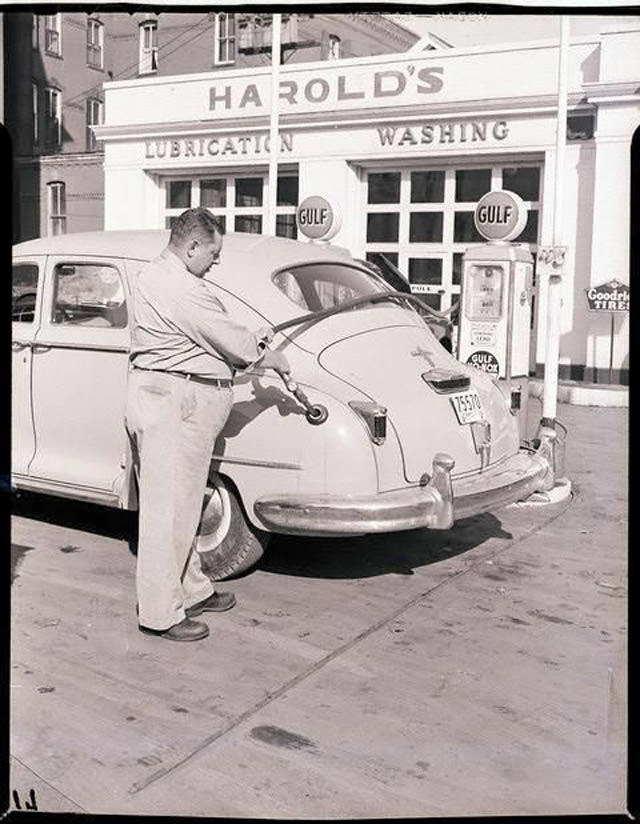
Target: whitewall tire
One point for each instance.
(227, 543)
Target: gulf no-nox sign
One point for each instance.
(500, 215)
(317, 219)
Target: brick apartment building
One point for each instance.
(55, 66)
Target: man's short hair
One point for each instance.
(196, 223)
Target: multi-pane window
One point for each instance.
(95, 43)
(225, 38)
(422, 220)
(53, 118)
(35, 111)
(94, 118)
(53, 34)
(238, 201)
(57, 208)
(148, 54)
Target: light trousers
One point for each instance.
(172, 425)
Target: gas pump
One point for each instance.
(495, 302)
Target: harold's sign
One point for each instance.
(383, 85)
(375, 87)
(254, 144)
(612, 296)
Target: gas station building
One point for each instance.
(403, 146)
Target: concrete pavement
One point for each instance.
(474, 672)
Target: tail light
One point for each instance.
(374, 416)
(444, 380)
(512, 400)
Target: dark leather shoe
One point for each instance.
(186, 630)
(216, 602)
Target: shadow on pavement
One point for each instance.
(18, 552)
(359, 557)
(370, 555)
(98, 520)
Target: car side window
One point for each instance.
(88, 294)
(24, 292)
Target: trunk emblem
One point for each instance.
(419, 352)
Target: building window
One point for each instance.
(94, 118)
(148, 58)
(53, 119)
(35, 112)
(421, 219)
(95, 43)
(334, 47)
(57, 202)
(35, 31)
(225, 39)
(53, 34)
(238, 201)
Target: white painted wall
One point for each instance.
(132, 199)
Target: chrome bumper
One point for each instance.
(435, 505)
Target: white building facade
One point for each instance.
(403, 146)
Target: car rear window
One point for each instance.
(317, 286)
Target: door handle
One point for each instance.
(17, 345)
(40, 347)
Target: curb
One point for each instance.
(586, 394)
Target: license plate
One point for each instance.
(467, 406)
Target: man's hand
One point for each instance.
(265, 334)
(275, 360)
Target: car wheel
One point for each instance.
(228, 544)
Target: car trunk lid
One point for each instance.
(406, 370)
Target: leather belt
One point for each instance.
(220, 383)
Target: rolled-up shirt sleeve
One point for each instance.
(203, 318)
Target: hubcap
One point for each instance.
(216, 518)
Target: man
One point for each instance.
(185, 350)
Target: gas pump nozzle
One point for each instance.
(315, 413)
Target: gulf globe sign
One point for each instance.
(500, 215)
(317, 219)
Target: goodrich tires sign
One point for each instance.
(612, 296)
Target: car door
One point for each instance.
(25, 308)
(79, 377)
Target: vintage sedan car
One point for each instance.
(378, 428)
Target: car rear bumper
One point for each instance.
(435, 505)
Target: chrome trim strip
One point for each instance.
(56, 344)
(253, 462)
(62, 490)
